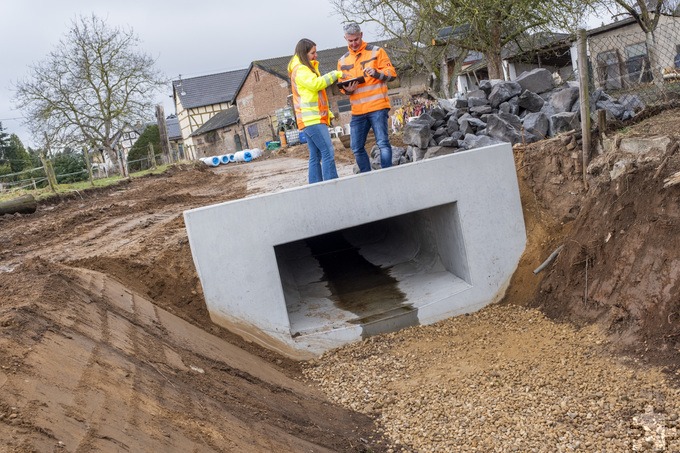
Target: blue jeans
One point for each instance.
(321, 153)
(359, 127)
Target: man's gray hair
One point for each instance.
(352, 28)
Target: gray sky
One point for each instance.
(188, 38)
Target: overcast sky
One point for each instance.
(187, 38)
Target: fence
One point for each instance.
(624, 60)
(36, 178)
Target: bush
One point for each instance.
(138, 155)
(69, 167)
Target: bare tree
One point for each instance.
(473, 25)
(93, 83)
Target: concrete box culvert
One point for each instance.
(308, 269)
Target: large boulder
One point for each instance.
(530, 101)
(563, 100)
(508, 128)
(439, 151)
(418, 133)
(503, 91)
(537, 124)
(563, 122)
(537, 80)
(477, 141)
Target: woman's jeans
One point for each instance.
(359, 127)
(321, 153)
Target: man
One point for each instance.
(369, 101)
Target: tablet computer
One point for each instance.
(344, 83)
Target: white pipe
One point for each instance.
(211, 161)
(224, 159)
(232, 158)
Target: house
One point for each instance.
(198, 99)
(619, 55)
(266, 89)
(555, 52)
(221, 134)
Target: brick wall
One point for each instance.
(260, 96)
(217, 142)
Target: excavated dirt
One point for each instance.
(106, 344)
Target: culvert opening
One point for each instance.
(376, 275)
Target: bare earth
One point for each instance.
(106, 345)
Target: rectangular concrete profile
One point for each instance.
(311, 268)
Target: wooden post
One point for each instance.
(86, 155)
(602, 123)
(584, 100)
(48, 172)
(163, 130)
(152, 157)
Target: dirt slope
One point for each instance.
(620, 265)
(106, 345)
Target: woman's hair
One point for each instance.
(302, 48)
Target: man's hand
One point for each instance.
(351, 87)
(370, 72)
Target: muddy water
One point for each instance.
(361, 287)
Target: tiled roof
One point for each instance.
(328, 61)
(612, 26)
(172, 124)
(209, 89)
(218, 121)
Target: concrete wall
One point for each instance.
(308, 269)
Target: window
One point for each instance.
(637, 63)
(256, 74)
(608, 70)
(253, 131)
(636, 50)
(344, 106)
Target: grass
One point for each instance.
(46, 192)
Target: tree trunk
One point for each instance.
(652, 54)
(24, 204)
(444, 77)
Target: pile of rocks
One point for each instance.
(525, 110)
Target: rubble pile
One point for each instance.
(525, 110)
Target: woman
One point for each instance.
(311, 109)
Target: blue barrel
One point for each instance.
(303, 137)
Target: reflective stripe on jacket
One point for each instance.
(309, 93)
(371, 95)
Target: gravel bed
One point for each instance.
(504, 379)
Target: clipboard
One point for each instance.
(344, 83)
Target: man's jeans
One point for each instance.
(360, 125)
(321, 153)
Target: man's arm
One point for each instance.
(382, 69)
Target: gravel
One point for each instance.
(504, 379)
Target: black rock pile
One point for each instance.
(525, 110)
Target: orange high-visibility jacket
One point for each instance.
(372, 94)
(309, 93)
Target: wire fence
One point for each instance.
(625, 60)
(622, 59)
(36, 178)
